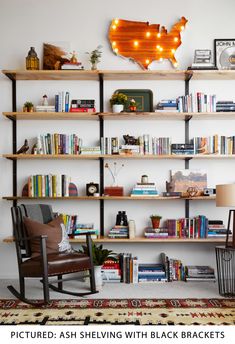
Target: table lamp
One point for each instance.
(225, 197)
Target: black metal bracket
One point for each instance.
(101, 160)
(14, 143)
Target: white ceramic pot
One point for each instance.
(118, 107)
(98, 277)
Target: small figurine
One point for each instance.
(130, 140)
(45, 100)
(34, 149)
(169, 186)
(73, 58)
(24, 148)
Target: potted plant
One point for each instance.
(100, 255)
(28, 107)
(117, 101)
(132, 105)
(155, 221)
(95, 56)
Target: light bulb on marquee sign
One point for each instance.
(144, 42)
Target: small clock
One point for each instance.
(92, 188)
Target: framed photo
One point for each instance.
(224, 50)
(143, 98)
(183, 179)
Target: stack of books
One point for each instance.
(82, 228)
(111, 271)
(48, 185)
(182, 148)
(72, 66)
(217, 229)
(144, 189)
(225, 106)
(199, 273)
(62, 102)
(197, 103)
(130, 149)
(167, 105)
(82, 105)
(45, 108)
(129, 268)
(159, 233)
(58, 144)
(119, 232)
(151, 273)
(90, 150)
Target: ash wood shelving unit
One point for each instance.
(99, 77)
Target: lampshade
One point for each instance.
(225, 195)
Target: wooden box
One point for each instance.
(113, 191)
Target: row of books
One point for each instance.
(191, 228)
(48, 185)
(174, 268)
(200, 102)
(224, 145)
(58, 144)
(62, 102)
(144, 189)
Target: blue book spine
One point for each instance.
(67, 102)
(144, 192)
(56, 103)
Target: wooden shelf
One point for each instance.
(52, 74)
(143, 75)
(51, 115)
(161, 116)
(140, 240)
(110, 198)
(212, 74)
(51, 156)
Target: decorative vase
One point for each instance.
(94, 66)
(118, 107)
(155, 222)
(98, 277)
(131, 229)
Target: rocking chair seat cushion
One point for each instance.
(53, 230)
(58, 264)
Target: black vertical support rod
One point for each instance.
(14, 142)
(186, 137)
(101, 122)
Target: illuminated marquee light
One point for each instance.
(143, 42)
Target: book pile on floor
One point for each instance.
(111, 271)
(81, 228)
(144, 189)
(129, 268)
(174, 268)
(167, 105)
(198, 273)
(151, 273)
(48, 185)
(119, 232)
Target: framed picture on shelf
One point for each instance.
(184, 179)
(143, 99)
(224, 51)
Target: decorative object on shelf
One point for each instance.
(209, 191)
(34, 149)
(115, 172)
(144, 179)
(170, 190)
(203, 60)
(117, 101)
(73, 190)
(114, 190)
(183, 179)
(143, 99)
(170, 186)
(45, 100)
(25, 191)
(100, 255)
(121, 219)
(73, 63)
(24, 148)
(132, 105)
(95, 56)
(28, 107)
(192, 191)
(32, 60)
(225, 197)
(92, 189)
(144, 43)
(155, 221)
(55, 55)
(224, 50)
(132, 229)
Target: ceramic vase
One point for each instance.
(118, 107)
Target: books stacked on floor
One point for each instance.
(199, 273)
(174, 268)
(58, 144)
(45, 108)
(109, 145)
(182, 148)
(197, 103)
(119, 232)
(62, 102)
(214, 145)
(167, 105)
(160, 233)
(81, 228)
(70, 222)
(217, 229)
(144, 189)
(149, 273)
(225, 106)
(129, 268)
(72, 66)
(48, 185)
(82, 105)
(90, 150)
(111, 271)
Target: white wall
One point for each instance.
(85, 24)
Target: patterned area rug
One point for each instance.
(121, 311)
